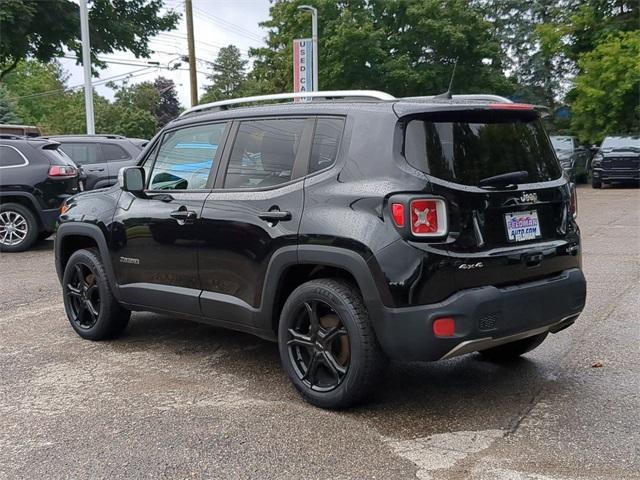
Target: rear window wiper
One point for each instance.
(505, 179)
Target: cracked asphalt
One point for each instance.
(173, 399)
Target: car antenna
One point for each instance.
(447, 95)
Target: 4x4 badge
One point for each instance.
(470, 266)
(133, 261)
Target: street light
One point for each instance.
(314, 41)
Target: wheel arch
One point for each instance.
(25, 199)
(286, 272)
(71, 237)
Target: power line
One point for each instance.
(97, 82)
(230, 27)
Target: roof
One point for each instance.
(331, 103)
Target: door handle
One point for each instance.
(275, 216)
(95, 170)
(183, 216)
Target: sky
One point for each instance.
(216, 23)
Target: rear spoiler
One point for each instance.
(412, 108)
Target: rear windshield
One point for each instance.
(466, 147)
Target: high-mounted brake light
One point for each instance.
(62, 171)
(397, 213)
(428, 217)
(511, 106)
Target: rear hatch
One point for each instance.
(509, 205)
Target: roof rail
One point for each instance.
(97, 135)
(329, 95)
(481, 97)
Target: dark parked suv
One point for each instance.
(101, 156)
(616, 161)
(349, 230)
(36, 177)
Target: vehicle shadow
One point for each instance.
(411, 399)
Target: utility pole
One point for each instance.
(193, 80)
(86, 63)
(314, 41)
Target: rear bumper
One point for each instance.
(484, 317)
(49, 218)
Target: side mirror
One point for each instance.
(131, 179)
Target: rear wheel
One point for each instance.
(91, 308)
(511, 351)
(327, 345)
(18, 228)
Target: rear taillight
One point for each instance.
(419, 217)
(573, 206)
(428, 217)
(511, 106)
(398, 214)
(62, 171)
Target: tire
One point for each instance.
(91, 308)
(511, 351)
(18, 228)
(596, 183)
(348, 359)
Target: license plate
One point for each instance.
(522, 226)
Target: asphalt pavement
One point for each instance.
(174, 399)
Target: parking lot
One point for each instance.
(174, 399)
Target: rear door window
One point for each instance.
(11, 157)
(466, 147)
(326, 141)
(83, 153)
(114, 153)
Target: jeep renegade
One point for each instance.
(351, 230)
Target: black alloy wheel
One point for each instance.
(92, 310)
(318, 346)
(84, 295)
(327, 344)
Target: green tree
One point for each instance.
(606, 98)
(228, 76)
(43, 29)
(406, 47)
(39, 90)
(168, 106)
(534, 54)
(7, 108)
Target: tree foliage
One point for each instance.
(43, 29)
(7, 108)
(168, 106)
(228, 75)
(607, 91)
(405, 47)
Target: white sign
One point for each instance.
(302, 65)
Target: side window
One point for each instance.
(11, 157)
(114, 153)
(185, 157)
(325, 143)
(148, 162)
(264, 152)
(83, 153)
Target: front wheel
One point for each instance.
(596, 183)
(91, 308)
(511, 351)
(327, 344)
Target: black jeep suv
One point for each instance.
(616, 161)
(36, 177)
(350, 231)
